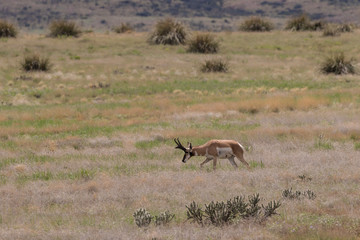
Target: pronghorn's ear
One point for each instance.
(190, 146)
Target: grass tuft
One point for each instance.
(256, 24)
(299, 23)
(63, 28)
(33, 62)
(337, 64)
(215, 65)
(331, 30)
(203, 43)
(7, 29)
(123, 28)
(168, 32)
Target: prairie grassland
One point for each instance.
(86, 144)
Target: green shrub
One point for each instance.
(194, 213)
(221, 213)
(289, 194)
(304, 178)
(7, 29)
(331, 30)
(164, 218)
(64, 28)
(203, 43)
(337, 64)
(33, 62)
(168, 31)
(215, 65)
(256, 24)
(299, 23)
(309, 194)
(123, 28)
(142, 217)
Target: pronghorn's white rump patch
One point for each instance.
(241, 147)
(224, 152)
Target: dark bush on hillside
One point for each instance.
(215, 65)
(203, 43)
(64, 28)
(123, 28)
(338, 64)
(299, 23)
(34, 62)
(168, 31)
(7, 29)
(256, 24)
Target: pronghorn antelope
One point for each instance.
(213, 150)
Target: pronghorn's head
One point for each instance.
(187, 151)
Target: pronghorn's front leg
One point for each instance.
(206, 160)
(214, 163)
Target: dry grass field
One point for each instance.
(86, 144)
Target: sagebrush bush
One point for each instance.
(337, 64)
(256, 24)
(7, 29)
(168, 31)
(34, 62)
(346, 27)
(64, 28)
(318, 25)
(203, 43)
(331, 30)
(142, 217)
(215, 65)
(221, 213)
(123, 28)
(299, 23)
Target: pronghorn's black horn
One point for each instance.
(179, 145)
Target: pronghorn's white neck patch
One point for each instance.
(196, 154)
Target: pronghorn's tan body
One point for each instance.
(214, 150)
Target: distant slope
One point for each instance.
(102, 14)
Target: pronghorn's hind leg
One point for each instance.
(232, 161)
(206, 160)
(240, 156)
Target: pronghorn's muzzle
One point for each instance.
(184, 158)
